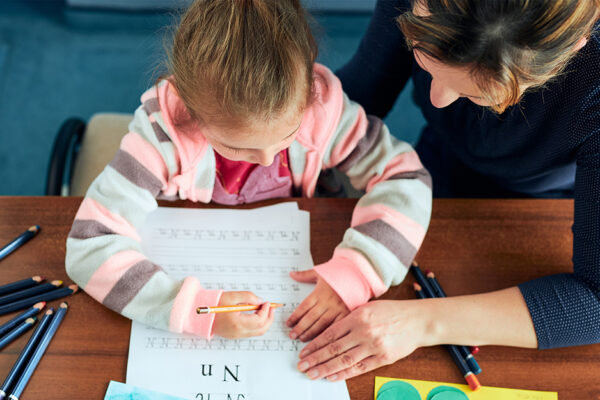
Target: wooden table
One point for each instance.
(472, 245)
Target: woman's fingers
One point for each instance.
(351, 360)
(329, 352)
(329, 335)
(365, 365)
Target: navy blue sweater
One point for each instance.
(547, 146)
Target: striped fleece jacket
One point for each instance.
(156, 161)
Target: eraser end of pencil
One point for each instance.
(473, 382)
(34, 228)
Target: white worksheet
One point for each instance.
(230, 250)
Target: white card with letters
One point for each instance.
(230, 250)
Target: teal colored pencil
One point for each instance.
(39, 351)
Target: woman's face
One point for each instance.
(448, 84)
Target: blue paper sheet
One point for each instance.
(122, 391)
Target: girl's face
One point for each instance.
(258, 141)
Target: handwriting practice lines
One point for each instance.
(231, 250)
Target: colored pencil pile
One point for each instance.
(31, 294)
(23, 368)
(429, 287)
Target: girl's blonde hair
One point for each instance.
(507, 44)
(235, 60)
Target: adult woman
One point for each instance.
(511, 93)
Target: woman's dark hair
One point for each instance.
(508, 45)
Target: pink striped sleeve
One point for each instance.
(110, 272)
(184, 318)
(349, 140)
(404, 162)
(352, 277)
(146, 154)
(90, 209)
(411, 230)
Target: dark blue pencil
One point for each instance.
(20, 285)
(18, 366)
(10, 324)
(48, 296)
(19, 241)
(37, 354)
(18, 331)
(471, 361)
(27, 293)
(464, 369)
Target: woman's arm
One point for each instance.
(382, 332)
(381, 66)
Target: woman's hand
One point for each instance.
(320, 308)
(376, 334)
(235, 325)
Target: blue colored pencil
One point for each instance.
(20, 285)
(464, 351)
(24, 294)
(19, 241)
(10, 324)
(18, 331)
(18, 366)
(48, 296)
(37, 354)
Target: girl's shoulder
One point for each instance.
(326, 107)
(165, 108)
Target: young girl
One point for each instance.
(245, 115)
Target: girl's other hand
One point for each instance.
(375, 334)
(235, 325)
(319, 310)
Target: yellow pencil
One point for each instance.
(236, 308)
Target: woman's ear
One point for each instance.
(580, 43)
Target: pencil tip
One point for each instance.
(39, 305)
(430, 274)
(56, 282)
(414, 263)
(64, 304)
(74, 288)
(37, 278)
(34, 228)
(417, 287)
(50, 311)
(31, 320)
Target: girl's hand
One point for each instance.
(235, 325)
(375, 334)
(320, 309)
